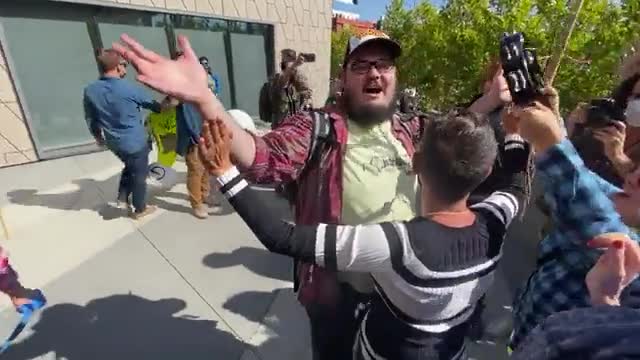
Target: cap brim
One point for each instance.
(394, 48)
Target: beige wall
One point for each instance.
(15, 143)
(303, 25)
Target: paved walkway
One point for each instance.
(170, 286)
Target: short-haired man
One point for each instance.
(112, 110)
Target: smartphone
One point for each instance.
(521, 69)
(308, 57)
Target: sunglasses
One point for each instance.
(363, 66)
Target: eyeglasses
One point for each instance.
(363, 66)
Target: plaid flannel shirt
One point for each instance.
(581, 210)
(589, 333)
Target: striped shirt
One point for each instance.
(428, 276)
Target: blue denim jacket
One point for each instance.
(112, 109)
(189, 127)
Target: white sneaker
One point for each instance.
(150, 209)
(200, 211)
(123, 205)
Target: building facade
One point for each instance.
(47, 57)
(340, 20)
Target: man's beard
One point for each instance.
(368, 115)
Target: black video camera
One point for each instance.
(521, 69)
(602, 113)
(599, 113)
(308, 57)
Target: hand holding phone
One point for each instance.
(521, 69)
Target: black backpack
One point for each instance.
(322, 137)
(264, 103)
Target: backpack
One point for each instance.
(321, 135)
(264, 103)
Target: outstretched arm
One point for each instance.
(185, 79)
(579, 205)
(337, 247)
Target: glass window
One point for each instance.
(53, 61)
(248, 54)
(148, 28)
(207, 39)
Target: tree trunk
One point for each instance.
(563, 41)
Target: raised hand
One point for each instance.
(615, 269)
(510, 122)
(539, 123)
(183, 78)
(612, 137)
(215, 147)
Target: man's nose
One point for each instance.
(373, 72)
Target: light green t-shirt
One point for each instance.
(377, 183)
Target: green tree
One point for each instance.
(339, 41)
(445, 49)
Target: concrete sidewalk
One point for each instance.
(170, 286)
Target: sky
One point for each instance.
(371, 9)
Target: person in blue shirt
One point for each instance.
(214, 79)
(582, 301)
(112, 110)
(582, 207)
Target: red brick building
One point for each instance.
(339, 21)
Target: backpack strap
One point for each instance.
(321, 132)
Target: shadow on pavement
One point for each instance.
(259, 261)
(77, 200)
(245, 304)
(125, 327)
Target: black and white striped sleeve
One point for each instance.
(503, 206)
(505, 203)
(362, 248)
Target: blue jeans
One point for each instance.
(133, 181)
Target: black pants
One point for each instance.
(333, 329)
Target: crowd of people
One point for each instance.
(400, 219)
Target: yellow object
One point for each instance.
(375, 159)
(163, 129)
(5, 228)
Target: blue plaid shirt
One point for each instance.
(581, 209)
(601, 332)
